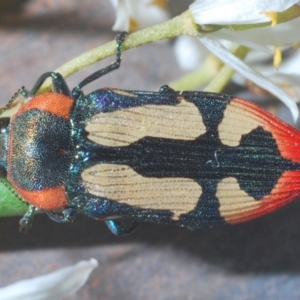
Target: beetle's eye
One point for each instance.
(4, 122)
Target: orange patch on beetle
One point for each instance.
(55, 103)
(49, 199)
(241, 117)
(237, 206)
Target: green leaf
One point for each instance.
(10, 203)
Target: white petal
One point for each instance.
(143, 12)
(291, 64)
(228, 58)
(259, 57)
(56, 285)
(122, 18)
(114, 3)
(189, 52)
(282, 34)
(236, 11)
(151, 16)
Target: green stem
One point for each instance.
(10, 203)
(180, 25)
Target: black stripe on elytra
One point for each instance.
(256, 163)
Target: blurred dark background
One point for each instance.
(255, 260)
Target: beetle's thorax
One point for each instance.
(40, 150)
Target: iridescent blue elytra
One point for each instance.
(183, 158)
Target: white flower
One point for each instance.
(258, 38)
(222, 19)
(237, 11)
(56, 285)
(132, 15)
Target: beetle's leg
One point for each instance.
(76, 92)
(68, 215)
(118, 228)
(59, 84)
(26, 221)
(165, 89)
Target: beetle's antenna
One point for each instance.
(13, 98)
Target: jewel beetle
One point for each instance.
(184, 158)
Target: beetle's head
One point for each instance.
(4, 130)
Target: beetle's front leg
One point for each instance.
(26, 221)
(59, 84)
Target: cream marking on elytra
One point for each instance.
(123, 127)
(121, 183)
(233, 200)
(236, 122)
